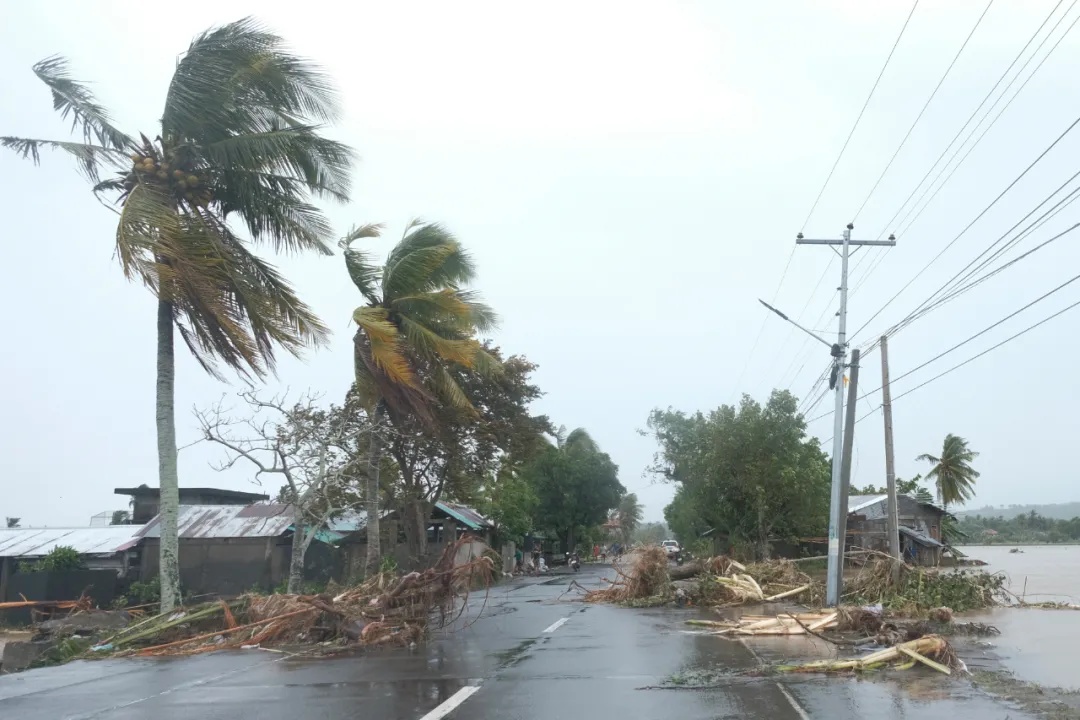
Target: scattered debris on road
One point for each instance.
(386, 609)
(933, 651)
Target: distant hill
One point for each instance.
(1059, 511)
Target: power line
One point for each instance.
(970, 224)
(969, 360)
(930, 303)
(984, 352)
(923, 111)
(972, 117)
(859, 117)
(980, 333)
(904, 221)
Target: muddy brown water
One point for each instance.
(1036, 645)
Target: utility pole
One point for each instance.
(835, 575)
(845, 466)
(893, 522)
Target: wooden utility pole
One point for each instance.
(893, 523)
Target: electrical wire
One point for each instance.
(970, 224)
(908, 224)
(923, 111)
(859, 117)
(930, 304)
(980, 333)
(972, 117)
(984, 352)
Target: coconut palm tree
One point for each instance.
(952, 472)
(418, 320)
(239, 141)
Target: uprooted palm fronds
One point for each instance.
(385, 609)
(646, 578)
(782, 624)
(931, 650)
(918, 589)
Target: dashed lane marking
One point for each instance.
(451, 704)
(556, 625)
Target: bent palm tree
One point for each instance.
(237, 138)
(952, 472)
(418, 319)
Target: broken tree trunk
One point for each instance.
(687, 571)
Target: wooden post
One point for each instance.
(893, 523)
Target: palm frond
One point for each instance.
(448, 305)
(284, 218)
(385, 349)
(427, 258)
(236, 78)
(265, 300)
(431, 346)
(485, 364)
(449, 391)
(74, 99)
(89, 157)
(147, 217)
(294, 151)
(362, 267)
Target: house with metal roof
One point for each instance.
(919, 523)
(230, 549)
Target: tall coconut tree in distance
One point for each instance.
(418, 319)
(239, 146)
(952, 472)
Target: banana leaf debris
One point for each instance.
(718, 581)
(387, 609)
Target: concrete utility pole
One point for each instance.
(845, 467)
(893, 522)
(839, 351)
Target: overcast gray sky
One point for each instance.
(630, 178)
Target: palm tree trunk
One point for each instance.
(168, 480)
(296, 559)
(375, 448)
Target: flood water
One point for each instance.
(1038, 573)
(1037, 645)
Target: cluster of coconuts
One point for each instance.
(183, 182)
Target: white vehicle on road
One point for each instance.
(671, 547)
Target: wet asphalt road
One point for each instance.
(525, 655)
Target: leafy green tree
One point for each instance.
(12, 522)
(751, 472)
(120, 517)
(576, 485)
(629, 514)
(509, 501)
(419, 322)
(686, 519)
(953, 476)
(466, 450)
(61, 558)
(239, 140)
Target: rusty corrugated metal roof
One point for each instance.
(227, 521)
(36, 542)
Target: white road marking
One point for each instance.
(451, 703)
(794, 703)
(783, 690)
(556, 625)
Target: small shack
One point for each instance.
(230, 549)
(919, 523)
(107, 554)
